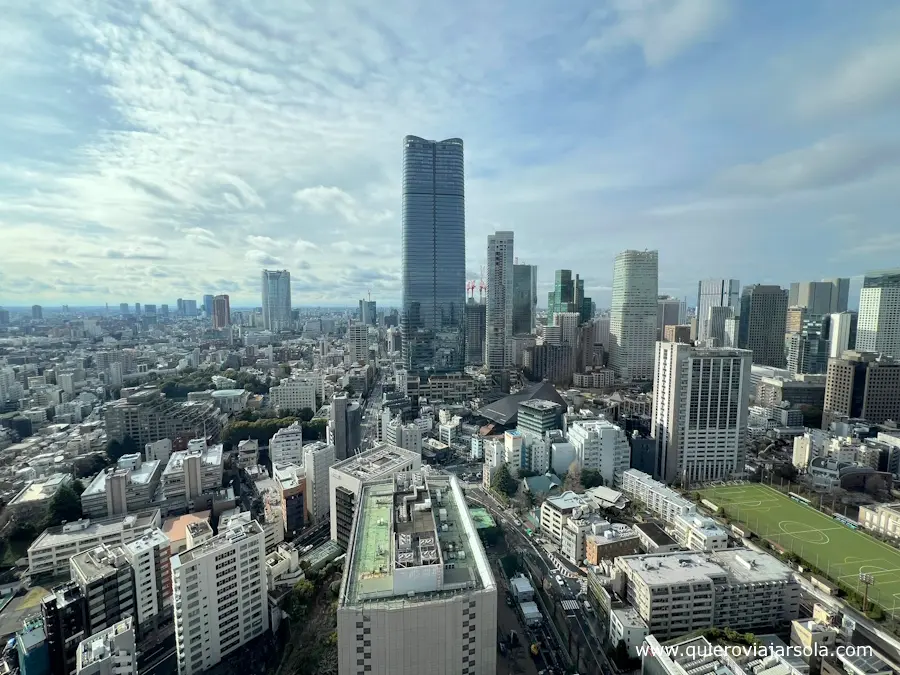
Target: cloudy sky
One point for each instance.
(157, 149)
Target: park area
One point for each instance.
(842, 554)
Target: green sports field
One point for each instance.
(843, 554)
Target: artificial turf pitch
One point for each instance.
(840, 552)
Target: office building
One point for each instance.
(669, 312)
(555, 363)
(37, 312)
(861, 385)
(794, 320)
(220, 597)
(433, 223)
(357, 340)
(807, 350)
(344, 426)
(128, 487)
(499, 306)
(286, 446)
(368, 313)
(840, 294)
(49, 555)
(524, 299)
(190, 308)
(110, 651)
(66, 624)
(294, 395)
(700, 407)
(209, 305)
(676, 593)
(106, 581)
(568, 296)
(346, 478)
(715, 293)
(568, 324)
(813, 296)
(678, 333)
(878, 328)
(276, 300)
(124, 309)
(290, 480)
(192, 472)
(221, 316)
(537, 416)
(601, 446)
(476, 328)
(417, 594)
(633, 321)
(318, 458)
(761, 324)
(841, 333)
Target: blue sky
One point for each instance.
(155, 150)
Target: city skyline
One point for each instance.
(172, 141)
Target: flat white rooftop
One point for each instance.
(736, 565)
(209, 458)
(383, 459)
(140, 476)
(88, 529)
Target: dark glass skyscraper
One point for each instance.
(433, 255)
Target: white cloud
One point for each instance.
(261, 258)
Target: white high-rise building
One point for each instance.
(602, 446)
(568, 323)
(418, 595)
(357, 340)
(276, 300)
(499, 310)
(149, 558)
(633, 319)
(878, 329)
(700, 408)
(295, 394)
(842, 334)
(220, 596)
(110, 652)
(318, 457)
(286, 446)
(715, 293)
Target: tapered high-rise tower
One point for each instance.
(276, 300)
(632, 323)
(498, 355)
(433, 254)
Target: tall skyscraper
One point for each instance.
(568, 296)
(840, 294)
(137, 308)
(367, 312)
(861, 385)
(209, 305)
(124, 309)
(878, 328)
(499, 309)
(807, 350)
(814, 296)
(700, 408)
(37, 312)
(358, 342)
(344, 426)
(632, 324)
(717, 324)
(761, 325)
(276, 300)
(669, 312)
(715, 293)
(475, 332)
(842, 333)
(221, 314)
(433, 256)
(524, 299)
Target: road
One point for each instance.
(577, 619)
(372, 414)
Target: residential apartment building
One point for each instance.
(655, 496)
(128, 487)
(189, 473)
(357, 340)
(601, 446)
(149, 557)
(676, 593)
(700, 407)
(286, 446)
(427, 600)
(556, 511)
(699, 533)
(346, 478)
(318, 459)
(106, 581)
(291, 482)
(499, 306)
(111, 651)
(50, 553)
(147, 416)
(219, 590)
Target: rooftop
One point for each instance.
(567, 501)
(217, 543)
(506, 410)
(32, 633)
(288, 475)
(540, 405)
(99, 528)
(176, 528)
(139, 476)
(383, 459)
(656, 534)
(101, 561)
(152, 538)
(735, 566)
(40, 489)
(104, 644)
(210, 457)
(412, 540)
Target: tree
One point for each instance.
(116, 450)
(90, 465)
(591, 478)
(78, 486)
(314, 430)
(65, 505)
(349, 391)
(503, 482)
(573, 478)
(307, 414)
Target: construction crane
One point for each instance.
(482, 287)
(470, 289)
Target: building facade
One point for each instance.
(601, 446)
(286, 446)
(633, 320)
(524, 299)
(700, 407)
(715, 293)
(878, 330)
(433, 255)
(761, 324)
(276, 300)
(499, 308)
(476, 317)
(221, 317)
(861, 385)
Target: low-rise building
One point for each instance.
(655, 496)
(294, 395)
(110, 651)
(36, 494)
(615, 541)
(654, 539)
(676, 593)
(176, 528)
(192, 472)
(125, 488)
(881, 518)
(699, 533)
(50, 553)
(627, 626)
(556, 511)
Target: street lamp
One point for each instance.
(867, 579)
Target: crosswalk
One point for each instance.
(569, 605)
